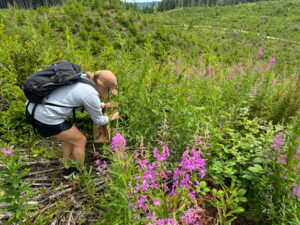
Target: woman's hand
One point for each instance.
(110, 105)
(115, 116)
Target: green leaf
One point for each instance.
(203, 184)
(236, 210)
(256, 169)
(230, 221)
(241, 192)
(243, 199)
(214, 192)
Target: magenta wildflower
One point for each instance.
(118, 142)
(272, 60)
(191, 217)
(265, 155)
(261, 68)
(260, 51)
(3, 149)
(145, 186)
(169, 221)
(156, 202)
(160, 157)
(178, 60)
(170, 62)
(160, 222)
(8, 152)
(97, 162)
(166, 187)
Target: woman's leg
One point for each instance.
(67, 149)
(78, 140)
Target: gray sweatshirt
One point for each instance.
(78, 94)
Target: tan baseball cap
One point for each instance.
(108, 79)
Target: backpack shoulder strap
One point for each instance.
(88, 81)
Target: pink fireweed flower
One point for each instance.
(8, 152)
(156, 202)
(178, 69)
(170, 62)
(137, 216)
(97, 162)
(265, 155)
(192, 195)
(118, 142)
(3, 149)
(145, 186)
(160, 222)
(169, 221)
(191, 217)
(296, 192)
(178, 60)
(209, 69)
(272, 60)
(160, 157)
(260, 51)
(200, 59)
(166, 150)
(261, 68)
(192, 161)
(166, 188)
(164, 175)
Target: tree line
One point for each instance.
(171, 4)
(28, 4)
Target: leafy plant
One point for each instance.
(228, 201)
(16, 192)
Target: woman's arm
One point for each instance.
(92, 105)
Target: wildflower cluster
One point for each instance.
(102, 169)
(148, 195)
(281, 150)
(191, 217)
(6, 152)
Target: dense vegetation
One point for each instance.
(224, 105)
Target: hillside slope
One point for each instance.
(279, 19)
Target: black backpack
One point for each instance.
(40, 84)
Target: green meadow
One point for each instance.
(209, 104)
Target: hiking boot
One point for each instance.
(70, 172)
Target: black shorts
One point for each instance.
(47, 130)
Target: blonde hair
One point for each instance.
(95, 78)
